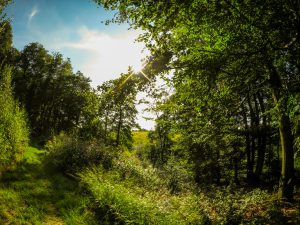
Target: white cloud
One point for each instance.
(33, 13)
(109, 55)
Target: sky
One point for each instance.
(75, 28)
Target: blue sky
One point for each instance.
(74, 28)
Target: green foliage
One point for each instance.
(133, 193)
(55, 98)
(140, 138)
(29, 194)
(235, 67)
(294, 104)
(117, 109)
(128, 191)
(5, 41)
(235, 78)
(177, 175)
(71, 154)
(13, 128)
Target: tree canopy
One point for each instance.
(223, 53)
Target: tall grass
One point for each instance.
(133, 192)
(123, 189)
(121, 199)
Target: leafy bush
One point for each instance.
(120, 201)
(228, 205)
(71, 154)
(177, 176)
(132, 192)
(13, 129)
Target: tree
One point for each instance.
(159, 104)
(5, 41)
(3, 4)
(13, 128)
(232, 42)
(55, 98)
(117, 109)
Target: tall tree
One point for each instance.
(117, 108)
(233, 42)
(55, 98)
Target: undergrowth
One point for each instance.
(29, 194)
(119, 188)
(133, 192)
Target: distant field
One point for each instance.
(140, 138)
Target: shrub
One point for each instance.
(132, 192)
(13, 129)
(118, 202)
(177, 175)
(71, 154)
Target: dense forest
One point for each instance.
(226, 144)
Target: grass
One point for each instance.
(129, 191)
(123, 200)
(30, 194)
(133, 193)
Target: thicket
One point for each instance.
(127, 190)
(14, 132)
(235, 73)
(70, 153)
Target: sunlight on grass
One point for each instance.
(32, 155)
(32, 195)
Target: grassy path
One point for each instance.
(32, 195)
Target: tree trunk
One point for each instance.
(286, 184)
(119, 126)
(262, 140)
(248, 152)
(252, 137)
(105, 126)
(287, 170)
